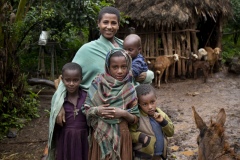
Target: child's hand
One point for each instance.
(61, 117)
(110, 112)
(145, 140)
(119, 113)
(158, 117)
(141, 77)
(103, 110)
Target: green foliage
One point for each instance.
(68, 22)
(230, 49)
(12, 117)
(30, 106)
(230, 42)
(233, 25)
(124, 19)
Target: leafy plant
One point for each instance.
(12, 116)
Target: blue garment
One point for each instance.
(157, 129)
(139, 65)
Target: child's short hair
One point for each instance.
(110, 10)
(144, 89)
(72, 66)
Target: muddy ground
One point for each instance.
(175, 98)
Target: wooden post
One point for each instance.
(219, 31)
(219, 41)
(183, 46)
(156, 45)
(170, 50)
(41, 63)
(194, 44)
(186, 53)
(178, 51)
(164, 41)
(152, 45)
(194, 39)
(145, 45)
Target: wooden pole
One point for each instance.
(170, 50)
(164, 41)
(178, 51)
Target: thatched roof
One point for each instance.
(169, 12)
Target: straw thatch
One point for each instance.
(170, 26)
(170, 12)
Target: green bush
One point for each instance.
(229, 48)
(16, 117)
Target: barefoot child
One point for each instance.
(70, 140)
(132, 44)
(110, 106)
(149, 135)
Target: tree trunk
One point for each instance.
(11, 78)
(20, 10)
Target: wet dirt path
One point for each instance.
(175, 98)
(221, 91)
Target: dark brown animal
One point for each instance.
(211, 141)
(202, 65)
(162, 64)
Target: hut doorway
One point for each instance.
(209, 32)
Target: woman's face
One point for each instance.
(108, 25)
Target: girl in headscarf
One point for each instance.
(110, 106)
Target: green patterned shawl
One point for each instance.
(107, 90)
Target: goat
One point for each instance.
(211, 140)
(198, 64)
(189, 62)
(202, 53)
(212, 57)
(161, 64)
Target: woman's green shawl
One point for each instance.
(91, 57)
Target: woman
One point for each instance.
(91, 56)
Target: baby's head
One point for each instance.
(146, 98)
(72, 76)
(132, 44)
(118, 64)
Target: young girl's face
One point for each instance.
(118, 67)
(148, 103)
(72, 80)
